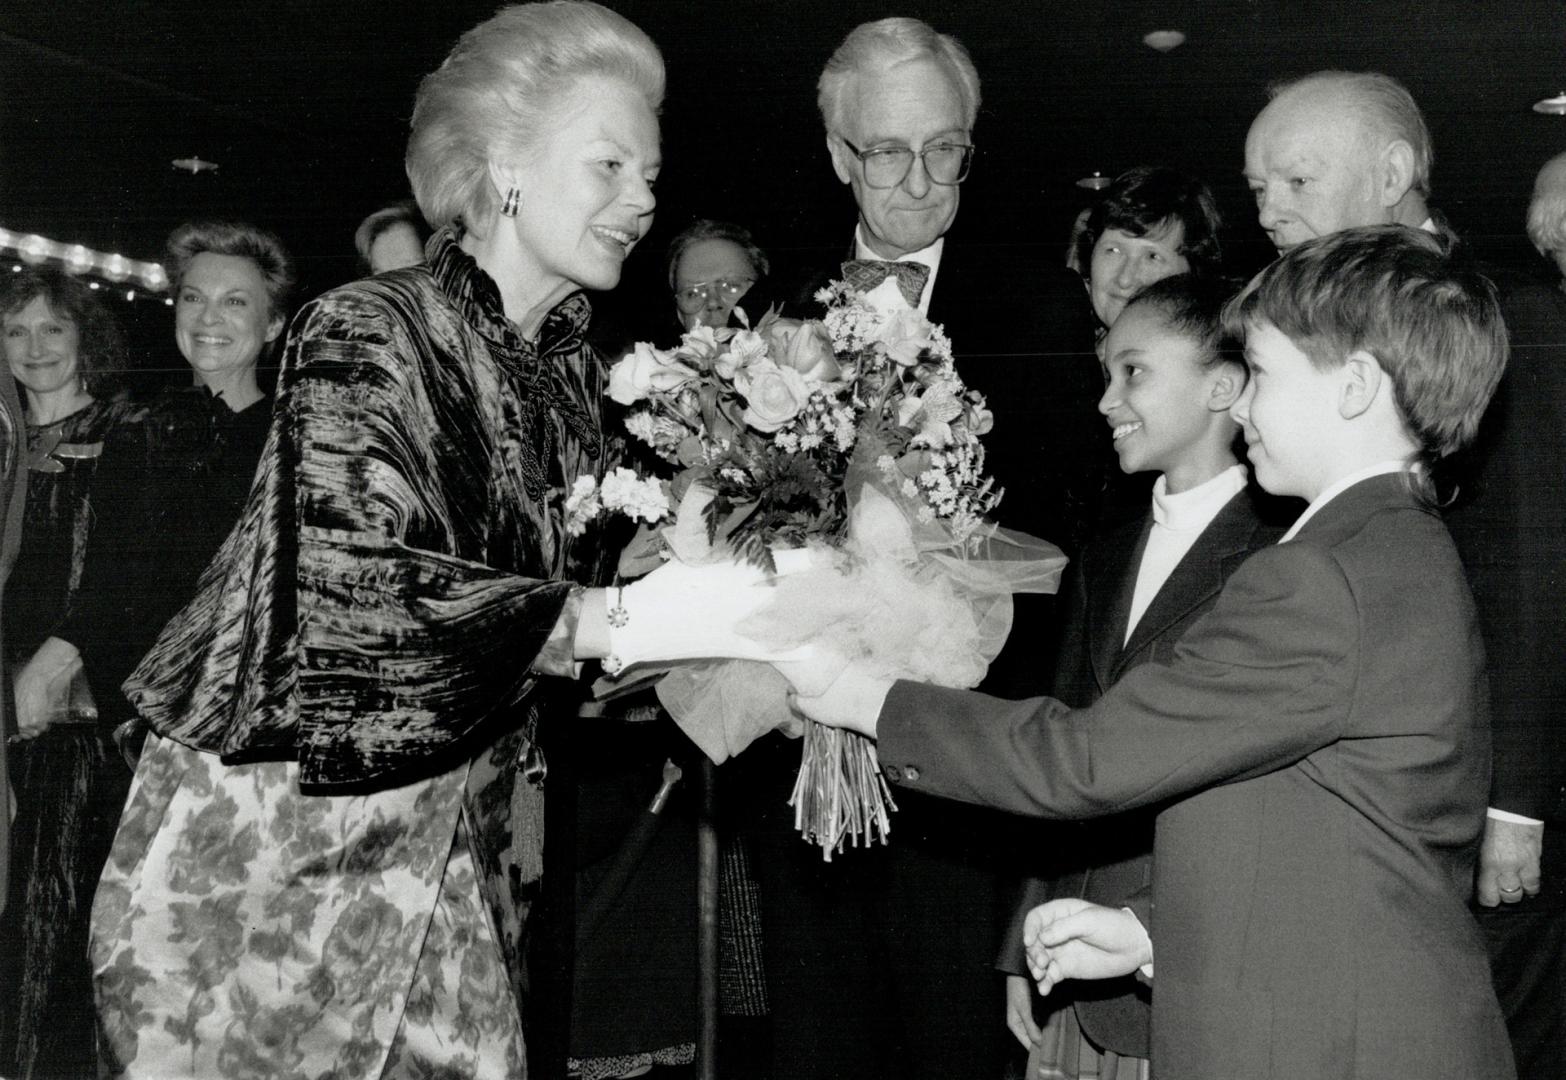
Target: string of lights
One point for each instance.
(117, 274)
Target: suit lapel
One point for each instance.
(1109, 569)
(1197, 578)
(1345, 514)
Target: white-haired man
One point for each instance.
(880, 962)
(1335, 150)
(1547, 213)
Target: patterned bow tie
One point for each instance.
(862, 275)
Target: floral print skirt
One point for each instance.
(244, 930)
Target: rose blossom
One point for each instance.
(645, 371)
(773, 395)
(806, 347)
(980, 420)
(905, 335)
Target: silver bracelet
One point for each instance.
(617, 614)
(617, 618)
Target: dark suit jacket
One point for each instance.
(1023, 334)
(1022, 331)
(1319, 747)
(1509, 523)
(1110, 861)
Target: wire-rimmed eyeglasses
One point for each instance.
(945, 163)
(692, 298)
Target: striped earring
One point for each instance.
(512, 204)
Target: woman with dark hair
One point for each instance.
(1152, 222)
(335, 835)
(64, 350)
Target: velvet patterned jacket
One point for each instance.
(391, 586)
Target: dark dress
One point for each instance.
(67, 781)
(170, 487)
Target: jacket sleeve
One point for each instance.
(1512, 535)
(333, 626)
(1257, 684)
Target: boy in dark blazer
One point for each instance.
(1317, 745)
(1128, 600)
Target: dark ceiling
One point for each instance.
(304, 105)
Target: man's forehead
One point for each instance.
(1317, 128)
(915, 97)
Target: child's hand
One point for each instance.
(812, 669)
(1073, 939)
(837, 694)
(1019, 1011)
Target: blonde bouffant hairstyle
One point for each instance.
(493, 97)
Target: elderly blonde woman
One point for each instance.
(336, 829)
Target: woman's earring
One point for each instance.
(512, 204)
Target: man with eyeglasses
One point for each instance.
(879, 963)
(899, 102)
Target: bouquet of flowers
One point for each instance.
(852, 435)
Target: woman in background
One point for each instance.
(1152, 222)
(714, 267)
(64, 350)
(391, 238)
(171, 485)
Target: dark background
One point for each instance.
(305, 106)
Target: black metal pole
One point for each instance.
(707, 926)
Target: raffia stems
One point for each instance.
(840, 795)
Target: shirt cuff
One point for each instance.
(1507, 815)
(1144, 970)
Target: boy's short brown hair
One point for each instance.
(1405, 297)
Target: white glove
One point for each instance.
(813, 670)
(683, 612)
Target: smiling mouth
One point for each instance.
(618, 238)
(206, 339)
(1122, 430)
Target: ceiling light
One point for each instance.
(1164, 40)
(194, 165)
(1552, 106)
(1097, 182)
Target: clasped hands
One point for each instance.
(1076, 939)
(1072, 939)
(42, 687)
